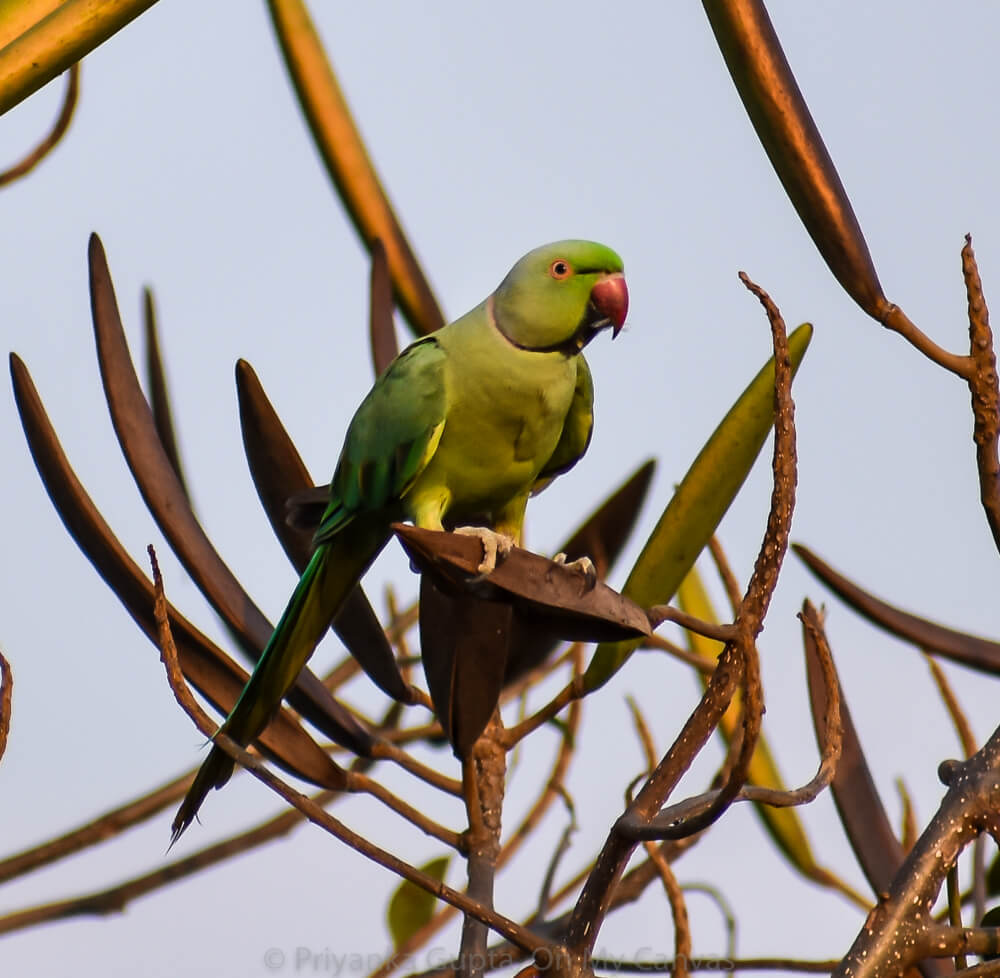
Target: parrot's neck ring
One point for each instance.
(591, 324)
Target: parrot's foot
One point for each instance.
(582, 565)
(496, 547)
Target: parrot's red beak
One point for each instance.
(610, 298)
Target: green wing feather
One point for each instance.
(389, 442)
(577, 429)
(392, 437)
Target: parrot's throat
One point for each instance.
(592, 323)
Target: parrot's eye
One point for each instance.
(560, 269)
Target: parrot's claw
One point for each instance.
(496, 547)
(582, 565)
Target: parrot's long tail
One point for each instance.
(325, 583)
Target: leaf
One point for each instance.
(780, 116)
(970, 650)
(463, 645)
(203, 663)
(861, 811)
(600, 537)
(168, 503)
(279, 474)
(159, 395)
(699, 504)
(347, 161)
(381, 329)
(556, 595)
(782, 824)
(411, 907)
(40, 39)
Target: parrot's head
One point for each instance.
(560, 296)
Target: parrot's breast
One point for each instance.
(506, 410)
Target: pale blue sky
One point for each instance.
(495, 129)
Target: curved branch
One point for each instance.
(507, 928)
(895, 937)
(57, 132)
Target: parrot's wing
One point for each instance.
(391, 438)
(577, 429)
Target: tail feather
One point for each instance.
(327, 580)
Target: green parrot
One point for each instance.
(462, 427)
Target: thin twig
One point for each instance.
(895, 319)
(961, 722)
(671, 822)
(100, 829)
(658, 643)
(502, 925)
(955, 911)
(386, 750)
(594, 901)
(560, 850)
(725, 572)
(361, 783)
(643, 732)
(719, 964)
(57, 132)
(116, 898)
(725, 910)
(678, 910)
(660, 613)
(552, 790)
(554, 787)
(573, 690)
(909, 830)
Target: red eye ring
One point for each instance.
(560, 269)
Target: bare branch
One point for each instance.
(979, 653)
(961, 722)
(660, 644)
(673, 822)
(663, 612)
(100, 829)
(57, 132)
(361, 784)
(507, 928)
(483, 774)
(718, 964)
(909, 828)
(944, 941)
(384, 750)
(552, 790)
(678, 910)
(900, 930)
(644, 733)
(985, 390)
(572, 691)
(114, 899)
(955, 911)
(736, 663)
(725, 572)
